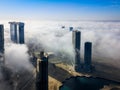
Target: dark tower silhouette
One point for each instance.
(76, 43)
(42, 76)
(21, 33)
(71, 28)
(1, 39)
(17, 32)
(1, 45)
(13, 31)
(88, 56)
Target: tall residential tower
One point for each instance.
(17, 32)
(76, 39)
(1, 45)
(42, 75)
(1, 39)
(71, 28)
(88, 56)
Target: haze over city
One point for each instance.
(59, 40)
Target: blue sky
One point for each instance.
(60, 9)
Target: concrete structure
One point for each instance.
(13, 31)
(63, 27)
(76, 43)
(71, 28)
(17, 32)
(42, 75)
(88, 56)
(21, 33)
(1, 45)
(1, 39)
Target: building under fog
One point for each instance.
(71, 28)
(76, 39)
(88, 56)
(1, 44)
(42, 74)
(1, 39)
(17, 32)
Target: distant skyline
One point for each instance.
(60, 9)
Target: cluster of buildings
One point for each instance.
(42, 71)
(87, 66)
(16, 35)
(17, 32)
(76, 41)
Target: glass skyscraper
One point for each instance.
(1, 39)
(76, 39)
(17, 32)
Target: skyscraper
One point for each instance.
(17, 32)
(87, 56)
(42, 76)
(1, 39)
(13, 31)
(21, 33)
(1, 45)
(76, 39)
(71, 28)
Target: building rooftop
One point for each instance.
(15, 22)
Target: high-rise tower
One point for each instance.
(76, 39)
(1, 45)
(88, 56)
(17, 32)
(1, 39)
(21, 33)
(13, 31)
(42, 76)
(71, 28)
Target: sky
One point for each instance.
(60, 9)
